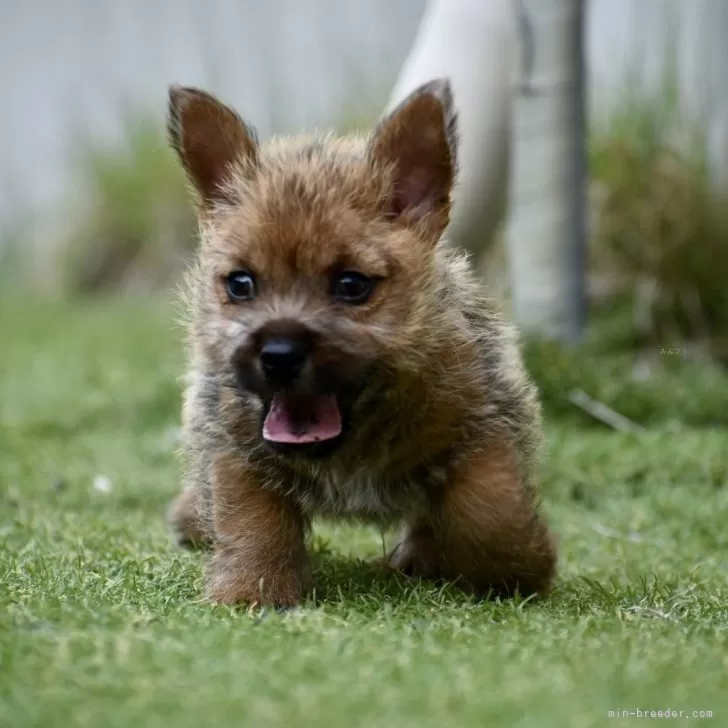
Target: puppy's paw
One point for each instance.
(417, 555)
(230, 582)
(185, 522)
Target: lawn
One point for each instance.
(102, 621)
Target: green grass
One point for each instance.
(102, 623)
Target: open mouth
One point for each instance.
(296, 419)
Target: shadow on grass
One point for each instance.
(341, 581)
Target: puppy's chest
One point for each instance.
(368, 495)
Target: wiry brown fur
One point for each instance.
(446, 426)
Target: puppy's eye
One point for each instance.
(352, 287)
(241, 286)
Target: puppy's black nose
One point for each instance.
(283, 357)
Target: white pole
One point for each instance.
(473, 43)
(546, 234)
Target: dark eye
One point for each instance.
(352, 287)
(241, 286)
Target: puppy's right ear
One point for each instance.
(418, 142)
(210, 138)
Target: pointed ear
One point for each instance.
(209, 138)
(418, 142)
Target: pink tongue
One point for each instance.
(302, 419)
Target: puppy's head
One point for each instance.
(317, 262)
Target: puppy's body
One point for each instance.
(416, 392)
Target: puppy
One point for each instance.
(343, 362)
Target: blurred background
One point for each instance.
(613, 219)
(593, 197)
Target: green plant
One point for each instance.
(135, 223)
(662, 229)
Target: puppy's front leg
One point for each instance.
(260, 556)
(485, 531)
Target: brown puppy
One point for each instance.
(344, 362)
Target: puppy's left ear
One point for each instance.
(210, 140)
(417, 143)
